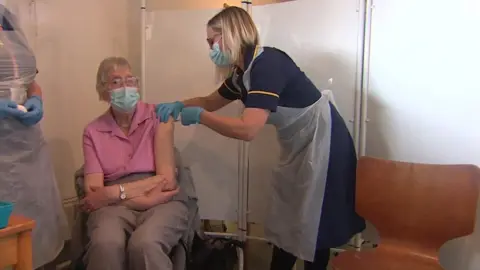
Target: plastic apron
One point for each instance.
(299, 179)
(27, 179)
(26, 173)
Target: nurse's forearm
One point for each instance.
(227, 126)
(196, 102)
(209, 103)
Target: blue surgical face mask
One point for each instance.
(218, 57)
(124, 98)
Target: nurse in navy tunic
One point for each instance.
(312, 204)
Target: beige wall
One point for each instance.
(70, 38)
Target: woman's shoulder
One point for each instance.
(145, 111)
(274, 52)
(272, 49)
(105, 121)
(271, 56)
(146, 107)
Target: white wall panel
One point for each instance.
(424, 92)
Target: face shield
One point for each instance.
(17, 61)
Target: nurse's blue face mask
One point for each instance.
(218, 57)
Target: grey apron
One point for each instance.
(299, 180)
(27, 179)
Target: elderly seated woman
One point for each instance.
(131, 225)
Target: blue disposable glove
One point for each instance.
(191, 115)
(9, 108)
(164, 110)
(34, 114)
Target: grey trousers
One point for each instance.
(120, 238)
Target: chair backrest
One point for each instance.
(417, 205)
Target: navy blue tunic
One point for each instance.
(277, 81)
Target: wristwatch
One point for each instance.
(123, 194)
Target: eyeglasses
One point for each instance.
(211, 40)
(130, 81)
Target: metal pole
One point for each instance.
(243, 185)
(247, 5)
(365, 76)
(143, 77)
(359, 77)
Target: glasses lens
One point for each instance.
(131, 81)
(116, 82)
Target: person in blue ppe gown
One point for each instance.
(26, 173)
(312, 204)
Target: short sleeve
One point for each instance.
(228, 90)
(150, 113)
(91, 161)
(267, 80)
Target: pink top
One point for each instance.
(107, 150)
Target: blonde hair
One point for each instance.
(237, 29)
(107, 66)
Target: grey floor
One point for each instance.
(257, 253)
(257, 256)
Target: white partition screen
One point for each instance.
(322, 37)
(178, 67)
(424, 94)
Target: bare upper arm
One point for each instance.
(164, 137)
(164, 150)
(215, 101)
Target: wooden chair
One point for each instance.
(416, 208)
